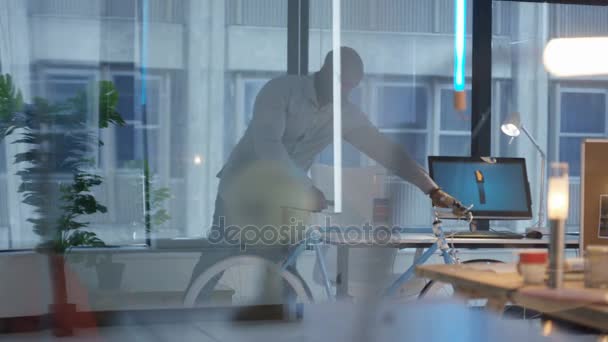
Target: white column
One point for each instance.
(15, 58)
(205, 68)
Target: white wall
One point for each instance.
(91, 41)
(263, 48)
(153, 279)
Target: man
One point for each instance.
(291, 125)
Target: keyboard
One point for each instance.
(484, 235)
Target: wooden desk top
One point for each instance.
(498, 283)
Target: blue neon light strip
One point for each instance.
(144, 50)
(460, 29)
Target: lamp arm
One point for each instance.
(543, 170)
(534, 142)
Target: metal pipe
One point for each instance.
(556, 254)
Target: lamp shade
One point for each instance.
(580, 56)
(512, 125)
(559, 196)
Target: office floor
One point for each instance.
(428, 321)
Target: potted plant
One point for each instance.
(40, 127)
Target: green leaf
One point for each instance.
(108, 101)
(11, 100)
(84, 238)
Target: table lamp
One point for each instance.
(513, 127)
(558, 213)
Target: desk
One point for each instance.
(421, 241)
(500, 287)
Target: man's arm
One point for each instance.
(389, 154)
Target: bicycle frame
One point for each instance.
(440, 244)
(298, 250)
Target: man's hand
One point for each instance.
(442, 199)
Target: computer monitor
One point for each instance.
(497, 188)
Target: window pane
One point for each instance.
(583, 112)
(570, 152)
(454, 145)
(61, 88)
(125, 86)
(69, 122)
(402, 107)
(451, 119)
(252, 88)
(125, 137)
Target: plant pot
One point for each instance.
(109, 275)
(62, 313)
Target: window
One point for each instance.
(401, 111)
(61, 87)
(455, 126)
(236, 121)
(252, 88)
(583, 114)
(125, 136)
(140, 139)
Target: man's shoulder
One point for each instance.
(285, 84)
(287, 79)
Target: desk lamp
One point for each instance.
(513, 127)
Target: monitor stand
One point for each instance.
(479, 226)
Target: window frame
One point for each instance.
(556, 132)
(374, 113)
(438, 132)
(91, 75)
(110, 154)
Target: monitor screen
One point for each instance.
(497, 188)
